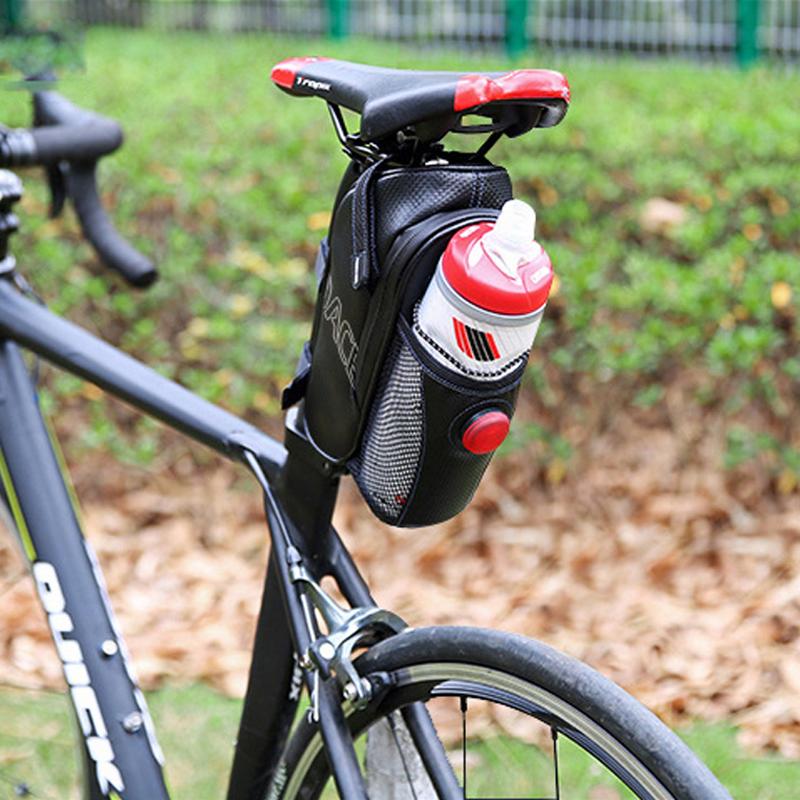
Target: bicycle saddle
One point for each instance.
(431, 104)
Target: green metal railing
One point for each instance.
(338, 18)
(743, 31)
(516, 26)
(747, 32)
(12, 13)
(518, 36)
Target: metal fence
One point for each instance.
(704, 29)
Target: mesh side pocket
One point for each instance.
(412, 467)
(387, 464)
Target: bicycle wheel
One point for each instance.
(517, 718)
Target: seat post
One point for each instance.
(307, 487)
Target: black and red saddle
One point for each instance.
(429, 104)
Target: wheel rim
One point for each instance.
(447, 679)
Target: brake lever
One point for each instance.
(58, 189)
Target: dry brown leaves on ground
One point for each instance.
(678, 584)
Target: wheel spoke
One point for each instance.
(554, 734)
(463, 702)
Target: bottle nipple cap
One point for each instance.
(510, 242)
(515, 227)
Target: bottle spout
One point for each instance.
(511, 243)
(516, 224)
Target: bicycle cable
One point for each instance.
(257, 470)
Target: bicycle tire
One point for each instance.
(578, 699)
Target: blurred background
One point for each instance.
(645, 514)
(706, 29)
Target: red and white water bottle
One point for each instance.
(483, 307)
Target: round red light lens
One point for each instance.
(485, 432)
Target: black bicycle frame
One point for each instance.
(121, 756)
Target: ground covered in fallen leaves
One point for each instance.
(678, 580)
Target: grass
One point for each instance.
(197, 727)
(227, 182)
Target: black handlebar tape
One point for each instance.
(64, 132)
(115, 252)
(52, 108)
(87, 141)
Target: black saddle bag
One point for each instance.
(389, 228)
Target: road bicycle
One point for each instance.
(390, 711)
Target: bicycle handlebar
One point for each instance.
(69, 141)
(114, 250)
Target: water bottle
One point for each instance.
(482, 309)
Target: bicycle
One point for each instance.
(382, 698)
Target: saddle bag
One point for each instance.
(375, 402)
